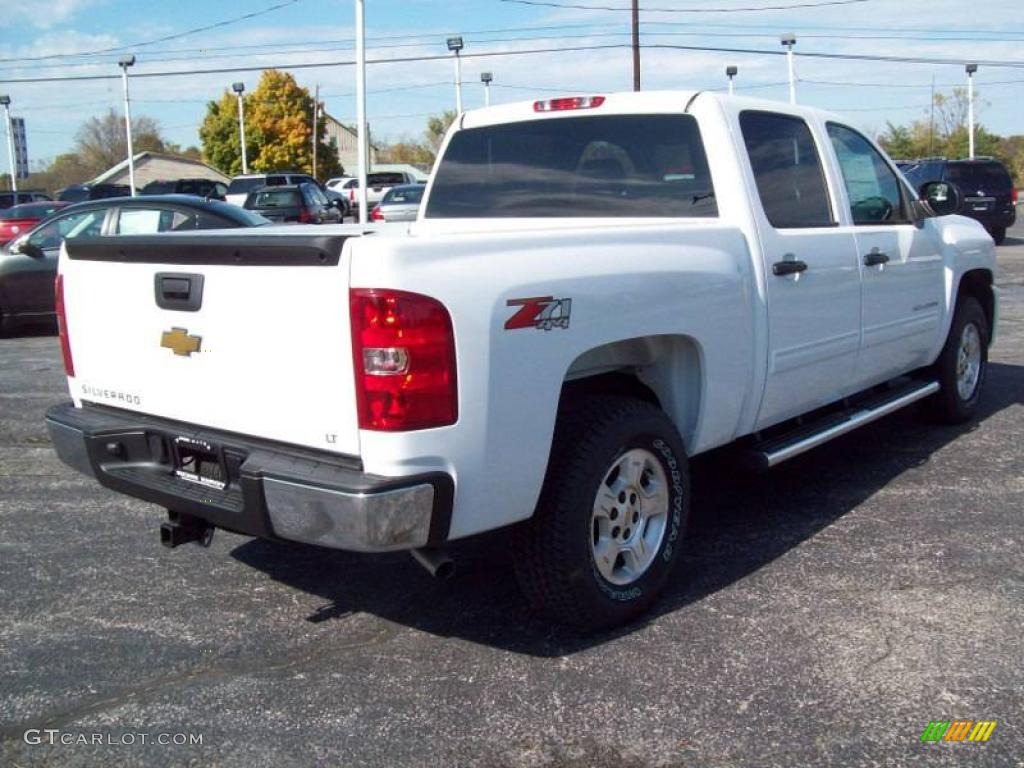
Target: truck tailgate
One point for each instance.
(247, 333)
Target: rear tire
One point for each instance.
(998, 234)
(962, 364)
(608, 527)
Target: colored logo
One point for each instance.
(178, 341)
(958, 730)
(541, 312)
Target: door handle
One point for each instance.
(177, 291)
(875, 258)
(792, 267)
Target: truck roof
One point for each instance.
(626, 102)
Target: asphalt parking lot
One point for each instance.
(825, 613)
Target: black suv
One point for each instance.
(989, 193)
(208, 188)
(10, 199)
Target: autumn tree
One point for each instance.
(278, 130)
(437, 127)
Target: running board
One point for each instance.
(777, 450)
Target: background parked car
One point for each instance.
(299, 203)
(377, 185)
(339, 201)
(8, 199)
(241, 186)
(28, 264)
(208, 188)
(19, 219)
(78, 193)
(989, 193)
(401, 203)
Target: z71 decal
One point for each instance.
(541, 312)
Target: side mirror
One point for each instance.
(942, 197)
(25, 248)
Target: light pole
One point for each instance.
(789, 40)
(486, 78)
(316, 115)
(361, 138)
(124, 63)
(5, 100)
(455, 45)
(731, 71)
(970, 69)
(239, 89)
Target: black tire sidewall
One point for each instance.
(952, 407)
(655, 435)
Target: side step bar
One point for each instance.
(775, 451)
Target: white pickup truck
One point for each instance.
(597, 289)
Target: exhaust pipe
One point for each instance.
(437, 563)
(181, 529)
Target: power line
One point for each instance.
(175, 36)
(522, 52)
(787, 7)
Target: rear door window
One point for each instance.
(593, 166)
(787, 170)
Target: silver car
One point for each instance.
(401, 203)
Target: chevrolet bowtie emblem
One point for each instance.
(178, 341)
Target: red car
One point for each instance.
(19, 219)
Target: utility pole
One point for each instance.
(931, 122)
(636, 45)
(124, 63)
(970, 69)
(239, 89)
(361, 139)
(789, 40)
(316, 111)
(6, 102)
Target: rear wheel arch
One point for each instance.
(665, 370)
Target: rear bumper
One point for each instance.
(265, 489)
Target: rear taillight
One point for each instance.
(376, 215)
(403, 349)
(1013, 195)
(305, 217)
(62, 325)
(572, 102)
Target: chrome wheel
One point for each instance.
(629, 517)
(968, 362)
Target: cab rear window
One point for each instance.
(593, 166)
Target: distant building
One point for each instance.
(343, 140)
(156, 166)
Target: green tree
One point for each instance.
(437, 127)
(222, 146)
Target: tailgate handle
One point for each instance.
(178, 291)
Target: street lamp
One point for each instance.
(124, 62)
(731, 71)
(362, 143)
(239, 89)
(789, 40)
(486, 78)
(5, 100)
(970, 69)
(455, 45)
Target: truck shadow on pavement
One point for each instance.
(739, 523)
